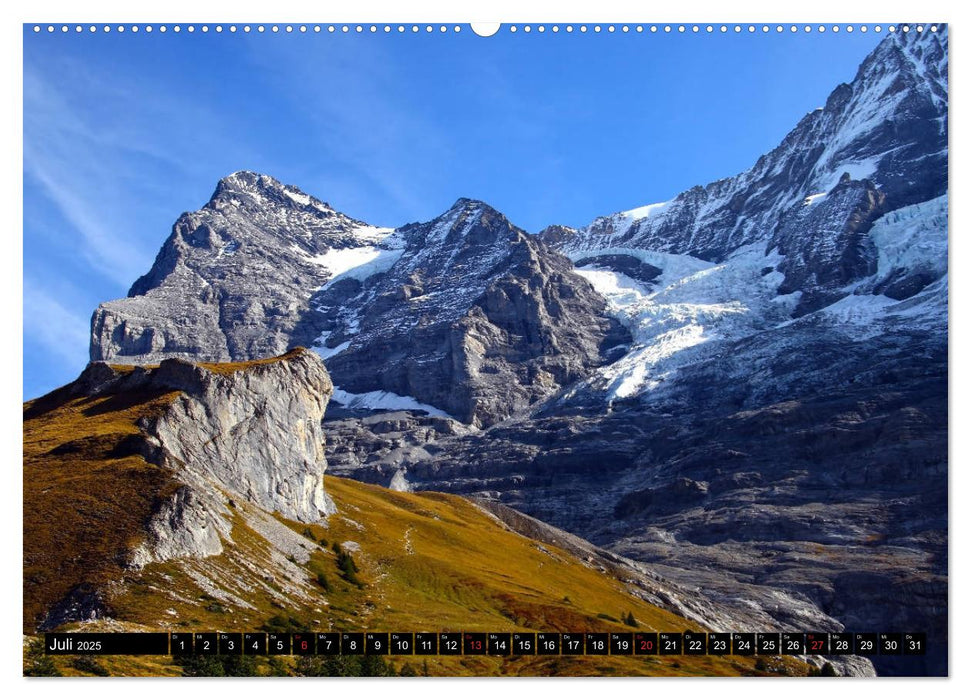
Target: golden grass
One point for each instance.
(436, 562)
(87, 493)
(231, 367)
(224, 368)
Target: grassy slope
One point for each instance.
(86, 493)
(428, 561)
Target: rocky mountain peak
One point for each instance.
(467, 222)
(879, 144)
(253, 254)
(469, 204)
(249, 189)
(475, 318)
(907, 53)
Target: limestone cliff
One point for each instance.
(247, 431)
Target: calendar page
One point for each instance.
(523, 349)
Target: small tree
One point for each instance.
(347, 566)
(375, 666)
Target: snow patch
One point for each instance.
(326, 352)
(643, 212)
(384, 401)
(359, 262)
(340, 261)
(298, 197)
(858, 313)
(388, 237)
(858, 170)
(622, 222)
(911, 238)
(673, 267)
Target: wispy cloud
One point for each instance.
(72, 167)
(61, 331)
(100, 144)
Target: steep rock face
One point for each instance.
(825, 243)
(179, 472)
(476, 318)
(250, 432)
(847, 216)
(256, 431)
(233, 279)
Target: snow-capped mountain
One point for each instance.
(233, 279)
(464, 315)
(476, 318)
(800, 231)
(745, 386)
(889, 125)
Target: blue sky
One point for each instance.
(123, 132)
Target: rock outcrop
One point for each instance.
(250, 432)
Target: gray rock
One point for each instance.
(476, 318)
(256, 432)
(192, 523)
(240, 272)
(247, 434)
(399, 482)
(83, 603)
